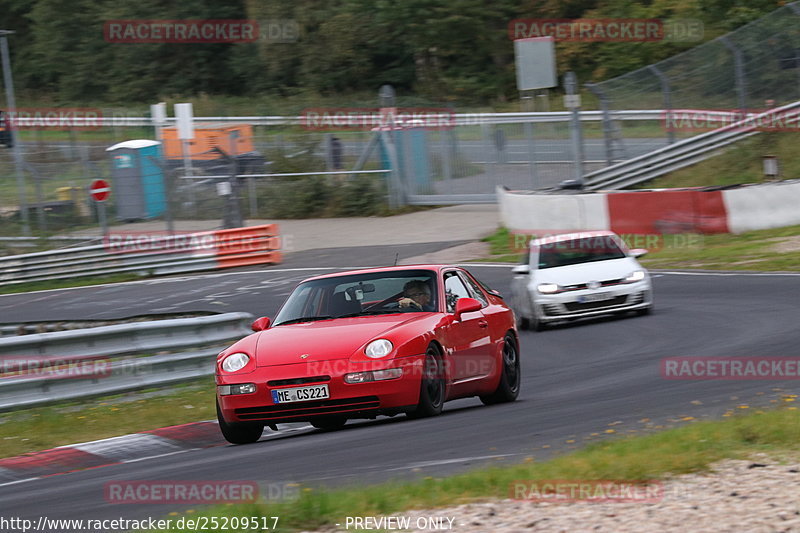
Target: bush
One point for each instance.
(320, 196)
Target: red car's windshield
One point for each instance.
(364, 294)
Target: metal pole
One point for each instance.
(11, 108)
(571, 86)
(491, 159)
(101, 214)
(795, 6)
(741, 79)
(527, 126)
(607, 126)
(447, 164)
(667, 92)
(187, 171)
(252, 191)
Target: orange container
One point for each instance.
(234, 139)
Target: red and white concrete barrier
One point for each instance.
(649, 212)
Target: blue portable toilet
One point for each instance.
(138, 181)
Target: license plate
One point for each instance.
(597, 297)
(300, 394)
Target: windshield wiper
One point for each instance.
(367, 312)
(304, 319)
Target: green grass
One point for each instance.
(741, 163)
(42, 428)
(754, 250)
(690, 448)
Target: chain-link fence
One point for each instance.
(289, 172)
(751, 69)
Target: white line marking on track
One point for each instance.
(423, 464)
(724, 274)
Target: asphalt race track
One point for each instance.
(581, 378)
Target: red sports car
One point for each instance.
(364, 343)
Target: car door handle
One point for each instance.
(483, 324)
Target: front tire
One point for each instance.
(432, 388)
(239, 432)
(510, 378)
(645, 311)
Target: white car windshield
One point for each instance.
(576, 251)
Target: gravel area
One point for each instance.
(759, 495)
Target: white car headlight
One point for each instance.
(636, 275)
(548, 288)
(378, 348)
(235, 361)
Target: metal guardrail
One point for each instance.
(461, 119)
(680, 154)
(112, 343)
(165, 255)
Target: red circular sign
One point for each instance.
(100, 190)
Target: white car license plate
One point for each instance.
(596, 297)
(300, 394)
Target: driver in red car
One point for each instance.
(416, 297)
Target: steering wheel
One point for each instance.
(391, 299)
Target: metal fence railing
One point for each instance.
(304, 173)
(64, 365)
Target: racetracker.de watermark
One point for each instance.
(181, 31)
(520, 241)
(55, 367)
(730, 368)
(469, 365)
(586, 490)
(55, 118)
(607, 30)
(208, 243)
(694, 120)
(366, 119)
(181, 492)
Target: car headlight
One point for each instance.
(239, 388)
(633, 277)
(235, 361)
(374, 375)
(548, 288)
(378, 348)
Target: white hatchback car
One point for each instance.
(577, 275)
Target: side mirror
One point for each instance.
(638, 252)
(466, 305)
(521, 269)
(260, 324)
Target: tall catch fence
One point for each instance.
(753, 68)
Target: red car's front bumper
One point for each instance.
(350, 400)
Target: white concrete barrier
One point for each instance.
(553, 212)
(770, 205)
